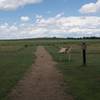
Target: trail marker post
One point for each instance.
(84, 48)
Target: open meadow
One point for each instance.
(15, 60)
(82, 82)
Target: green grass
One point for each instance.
(14, 62)
(83, 81)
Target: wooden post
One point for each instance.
(69, 53)
(84, 47)
(69, 57)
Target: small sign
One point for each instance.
(66, 51)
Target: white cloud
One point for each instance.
(53, 27)
(60, 15)
(90, 7)
(24, 18)
(14, 4)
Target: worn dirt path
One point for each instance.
(42, 83)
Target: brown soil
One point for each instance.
(42, 83)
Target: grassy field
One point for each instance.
(83, 81)
(15, 60)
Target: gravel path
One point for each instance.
(42, 83)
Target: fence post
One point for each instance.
(84, 47)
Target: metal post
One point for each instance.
(84, 47)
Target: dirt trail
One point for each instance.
(42, 83)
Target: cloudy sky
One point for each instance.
(49, 18)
